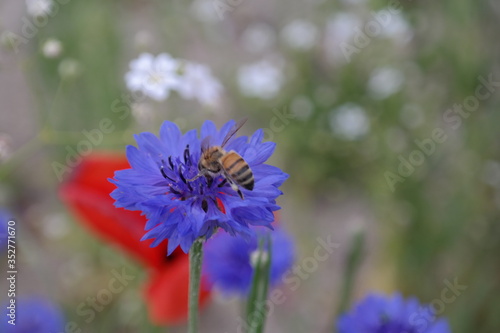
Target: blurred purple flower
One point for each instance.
(228, 260)
(33, 314)
(4, 220)
(381, 314)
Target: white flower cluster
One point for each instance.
(262, 79)
(157, 75)
(300, 34)
(52, 48)
(349, 121)
(385, 81)
(38, 8)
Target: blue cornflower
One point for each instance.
(228, 260)
(180, 209)
(381, 314)
(4, 220)
(33, 314)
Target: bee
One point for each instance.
(215, 161)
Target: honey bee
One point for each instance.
(215, 161)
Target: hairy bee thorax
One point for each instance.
(210, 159)
(214, 152)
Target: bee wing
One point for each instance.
(233, 131)
(205, 143)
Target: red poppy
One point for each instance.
(86, 193)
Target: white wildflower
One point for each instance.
(70, 68)
(349, 121)
(258, 37)
(385, 82)
(197, 82)
(300, 34)
(37, 8)
(340, 32)
(52, 48)
(154, 76)
(397, 28)
(263, 79)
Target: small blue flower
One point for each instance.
(228, 260)
(180, 209)
(32, 315)
(381, 314)
(5, 217)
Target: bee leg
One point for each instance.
(233, 185)
(195, 177)
(202, 173)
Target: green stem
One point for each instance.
(256, 307)
(354, 259)
(195, 260)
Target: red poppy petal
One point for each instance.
(87, 195)
(167, 291)
(95, 169)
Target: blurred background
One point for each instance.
(385, 114)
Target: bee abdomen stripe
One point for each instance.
(241, 171)
(245, 179)
(248, 184)
(235, 163)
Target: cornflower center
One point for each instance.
(178, 173)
